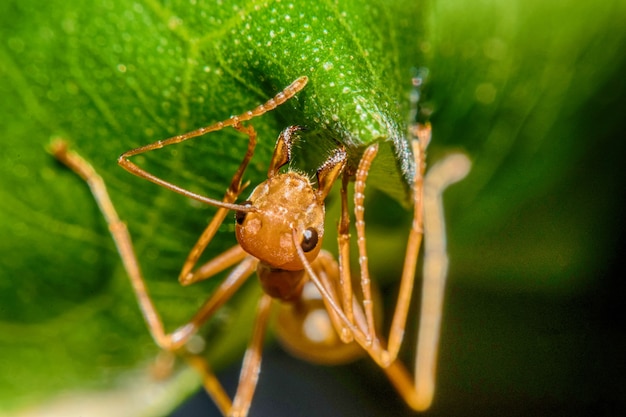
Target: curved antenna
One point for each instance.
(287, 93)
(235, 122)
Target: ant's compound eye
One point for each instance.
(240, 216)
(309, 240)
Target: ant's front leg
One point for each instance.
(428, 220)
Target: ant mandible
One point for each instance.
(280, 229)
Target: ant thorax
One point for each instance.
(288, 211)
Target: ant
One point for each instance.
(280, 229)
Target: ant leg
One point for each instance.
(327, 272)
(327, 291)
(234, 121)
(396, 333)
(414, 241)
(122, 239)
(359, 210)
(216, 265)
(186, 276)
(211, 384)
(361, 321)
(418, 393)
(343, 242)
(441, 175)
(250, 368)
(252, 361)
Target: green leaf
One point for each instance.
(109, 76)
(533, 102)
(536, 103)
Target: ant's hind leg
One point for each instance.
(250, 368)
(419, 392)
(119, 232)
(117, 229)
(251, 365)
(450, 170)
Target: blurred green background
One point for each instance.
(532, 91)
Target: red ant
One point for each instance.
(280, 229)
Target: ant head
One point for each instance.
(283, 203)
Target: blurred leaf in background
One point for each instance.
(532, 90)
